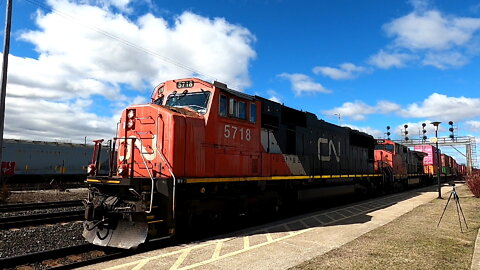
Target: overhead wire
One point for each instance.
(120, 40)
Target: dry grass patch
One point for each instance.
(412, 241)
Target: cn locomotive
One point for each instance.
(200, 148)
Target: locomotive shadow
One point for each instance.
(337, 216)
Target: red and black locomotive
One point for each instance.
(201, 148)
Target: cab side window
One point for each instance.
(242, 110)
(253, 112)
(223, 106)
(233, 108)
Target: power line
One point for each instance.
(120, 40)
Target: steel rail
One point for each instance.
(39, 219)
(34, 206)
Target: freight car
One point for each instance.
(430, 161)
(37, 162)
(401, 166)
(201, 148)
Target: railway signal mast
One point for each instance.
(453, 141)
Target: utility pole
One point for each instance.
(6, 52)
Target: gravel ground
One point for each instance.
(47, 195)
(15, 242)
(21, 241)
(40, 211)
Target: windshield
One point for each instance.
(386, 147)
(196, 101)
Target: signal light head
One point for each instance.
(424, 125)
(424, 137)
(450, 123)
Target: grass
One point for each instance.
(412, 241)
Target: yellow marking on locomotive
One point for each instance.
(103, 181)
(155, 221)
(273, 178)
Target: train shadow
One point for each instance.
(314, 214)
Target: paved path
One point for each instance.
(283, 244)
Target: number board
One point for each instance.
(380, 141)
(185, 84)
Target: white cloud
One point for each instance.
(431, 30)
(355, 110)
(274, 96)
(429, 37)
(369, 130)
(444, 108)
(385, 107)
(55, 121)
(386, 60)
(86, 51)
(346, 71)
(358, 110)
(473, 125)
(302, 83)
(445, 60)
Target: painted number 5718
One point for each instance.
(233, 132)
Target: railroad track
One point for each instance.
(38, 219)
(57, 257)
(34, 206)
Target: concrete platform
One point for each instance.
(283, 244)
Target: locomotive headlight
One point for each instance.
(122, 170)
(131, 114)
(130, 123)
(91, 170)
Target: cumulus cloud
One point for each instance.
(274, 96)
(429, 36)
(358, 110)
(445, 60)
(436, 106)
(431, 30)
(443, 108)
(473, 125)
(303, 84)
(345, 71)
(369, 130)
(88, 51)
(386, 60)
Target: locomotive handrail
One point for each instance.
(150, 175)
(169, 167)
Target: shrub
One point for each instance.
(473, 183)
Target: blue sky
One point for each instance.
(75, 65)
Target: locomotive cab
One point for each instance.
(191, 130)
(156, 145)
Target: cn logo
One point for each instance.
(327, 144)
(138, 144)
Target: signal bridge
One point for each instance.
(467, 141)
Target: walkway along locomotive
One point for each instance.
(201, 148)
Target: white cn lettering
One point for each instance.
(138, 145)
(331, 148)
